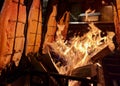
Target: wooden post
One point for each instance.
(117, 21)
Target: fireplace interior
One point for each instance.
(44, 69)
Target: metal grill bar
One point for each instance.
(65, 77)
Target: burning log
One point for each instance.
(80, 51)
(101, 54)
(85, 71)
(34, 30)
(45, 67)
(12, 22)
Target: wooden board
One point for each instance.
(117, 23)
(34, 30)
(51, 28)
(85, 71)
(12, 21)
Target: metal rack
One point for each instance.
(52, 78)
(39, 77)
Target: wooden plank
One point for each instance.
(117, 26)
(101, 54)
(34, 30)
(12, 21)
(85, 71)
(119, 14)
(118, 4)
(50, 30)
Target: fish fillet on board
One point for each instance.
(51, 29)
(34, 30)
(12, 21)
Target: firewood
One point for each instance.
(85, 71)
(101, 54)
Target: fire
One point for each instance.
(78, 51)
(86, 13)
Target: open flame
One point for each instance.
(86, 14)
(78, 51)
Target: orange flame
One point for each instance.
(79, 50)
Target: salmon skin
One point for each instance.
(12, 22)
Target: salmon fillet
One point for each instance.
(51, 28)
(34, 30)
(12, 21)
